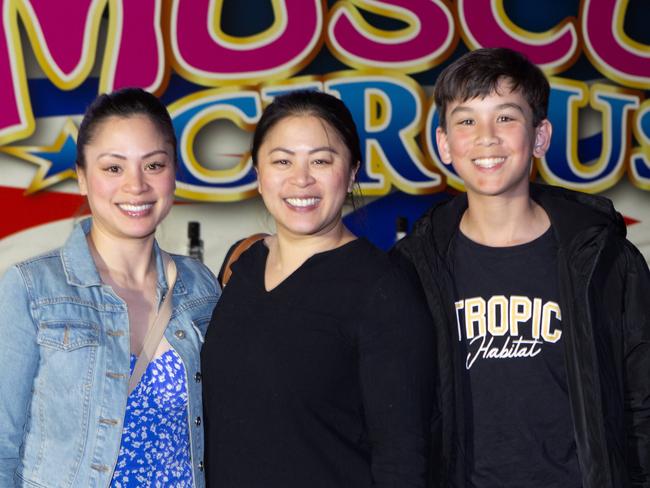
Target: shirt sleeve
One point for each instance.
(19, 360)
(637, 368)
(396, 359)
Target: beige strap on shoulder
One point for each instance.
(157, 327)
(234, 255)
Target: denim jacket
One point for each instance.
(64, 365)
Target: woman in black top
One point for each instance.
(318, 364)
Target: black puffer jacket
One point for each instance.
(605, 302)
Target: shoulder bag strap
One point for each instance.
(236, 252)
(157, 326)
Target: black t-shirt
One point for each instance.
(509, 326)
(324, 381)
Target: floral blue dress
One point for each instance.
(155, 449)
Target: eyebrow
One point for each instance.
(312, 151)
(462, 108)
(121, 156)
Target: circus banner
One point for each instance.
(217, 63)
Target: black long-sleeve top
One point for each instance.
(324, 381)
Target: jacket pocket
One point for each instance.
(68, 335)
(65, 392)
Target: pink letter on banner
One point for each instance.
(607, 46)
(426, 41)
(135, 51)
(204, 54)
(63, 35)
(16, 119)
(484, 23)
(63, 44)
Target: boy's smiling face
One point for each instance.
(491, 141)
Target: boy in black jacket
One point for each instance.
(541, 306)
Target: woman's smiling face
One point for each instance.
(129, 177)
(304, 174)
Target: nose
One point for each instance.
(135, 182)
(487, 135)
(301, 174)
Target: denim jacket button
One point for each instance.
(197, 421)
(201, 466)
(180, 334)
(198, 377)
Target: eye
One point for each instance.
(465, 122)
(321, 162)
(281, 162)
(505, 118)
(155, 166)
(113, 168)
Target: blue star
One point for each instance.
(61, 160)
(56, 162)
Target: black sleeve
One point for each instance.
(396, 357)
(636, 321)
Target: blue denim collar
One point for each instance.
(80, 269)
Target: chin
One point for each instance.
(302, 231)
(492, 189)
(137, 232)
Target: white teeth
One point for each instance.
(135, 208)
(488, 162)
(302, 202)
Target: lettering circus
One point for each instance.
(149, 39)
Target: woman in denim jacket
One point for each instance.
(73, 321)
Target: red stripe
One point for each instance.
(25, 211)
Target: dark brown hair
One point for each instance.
(125, 103)
(478, 74)
(326, 107)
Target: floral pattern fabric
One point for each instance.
(155, 449)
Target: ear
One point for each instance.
(81, 179)
(353, 176)
(443, 145)
(543, 134)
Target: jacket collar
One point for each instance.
(574, 213)
(79, 266)
(438, 225)
(571, 213)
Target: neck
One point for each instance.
(125, 262)
(292, 250)
(503, 221)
